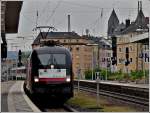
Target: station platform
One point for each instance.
(129, 84)
(17, 100)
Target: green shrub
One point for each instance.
(115, 75)
(133, 75)
(140, 74)
(137, 75)
(88, 74)
(147, 73)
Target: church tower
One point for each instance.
(113, 22)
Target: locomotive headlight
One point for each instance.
(52, 66)
(68, 79)
(36, 79)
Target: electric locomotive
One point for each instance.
(49, 72)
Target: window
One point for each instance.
(107, 54)
(130, 59)
(77, 48)
(127, 50)
(145, 59)
(57, 59)
(70, 48)
(146, 47)
(103, 59)
(44, 59)
(130, 48)
(64, 40)
(119, 49)
(77, 40)
(119, 60)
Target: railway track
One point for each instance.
(46, 104)
(127, 94)
(64, 108)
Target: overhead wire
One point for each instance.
(96, 7)
(44, 8)
(53, 12)
(81, 5)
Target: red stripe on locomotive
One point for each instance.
(51, 79)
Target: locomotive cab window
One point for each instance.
(56, 59)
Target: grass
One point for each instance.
(87, 100)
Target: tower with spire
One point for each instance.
(140, 19)
(113, 22)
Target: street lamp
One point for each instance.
(92, 57)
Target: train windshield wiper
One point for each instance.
(55, 62)
(49, 60)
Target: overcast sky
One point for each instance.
(85, 14)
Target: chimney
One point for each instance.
(140, 5)
(127, 23)
(69, 29)
(87, 32)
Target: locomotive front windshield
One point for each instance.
(55, 59)
(45, 60)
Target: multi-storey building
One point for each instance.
(132, 44)
(135, 52)
(104, 52)
(128, 41)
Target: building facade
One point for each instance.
(104, 52)
(105, 55)
(137, 52)
(133, 44)
(129, 41)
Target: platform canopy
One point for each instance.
(12, 14)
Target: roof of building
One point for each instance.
(56, 35)
(119, 28)
(102, 42)
(139, 24)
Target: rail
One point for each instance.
(126, 93)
